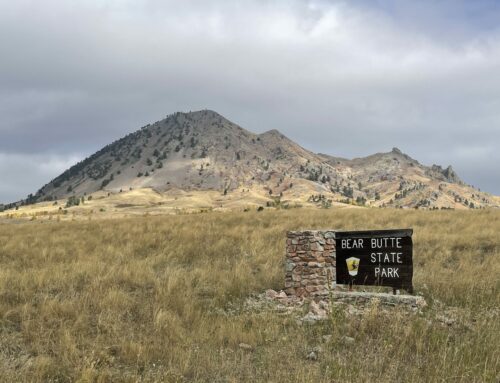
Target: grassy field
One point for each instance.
(146, 299)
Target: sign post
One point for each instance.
(375, 257)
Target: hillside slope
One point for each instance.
(204, 151)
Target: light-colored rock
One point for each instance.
(316, 309)
(281, 295)
(420, 302)
(271, 294)
(312, 318)
(312, 356)
(348, 339)
(245, 346)
(379, 298)
(316, 313)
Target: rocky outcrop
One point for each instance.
(447, 174)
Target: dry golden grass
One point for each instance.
(144, 299)
(104, 205)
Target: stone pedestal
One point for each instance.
(310, 263)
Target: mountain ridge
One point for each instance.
(202, 150)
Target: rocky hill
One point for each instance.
(204, 151)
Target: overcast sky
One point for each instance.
(345, 78)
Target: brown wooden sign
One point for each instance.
(376, 257)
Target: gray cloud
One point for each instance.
(344, 78)
(27, 172)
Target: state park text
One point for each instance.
(379, 258)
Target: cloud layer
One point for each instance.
(344, 78)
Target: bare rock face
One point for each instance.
(202, 150)
(451, 176)
(447, 174)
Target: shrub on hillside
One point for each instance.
(73, 201)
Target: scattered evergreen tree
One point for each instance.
(105, 183)
(360, 200)
(73, 201)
